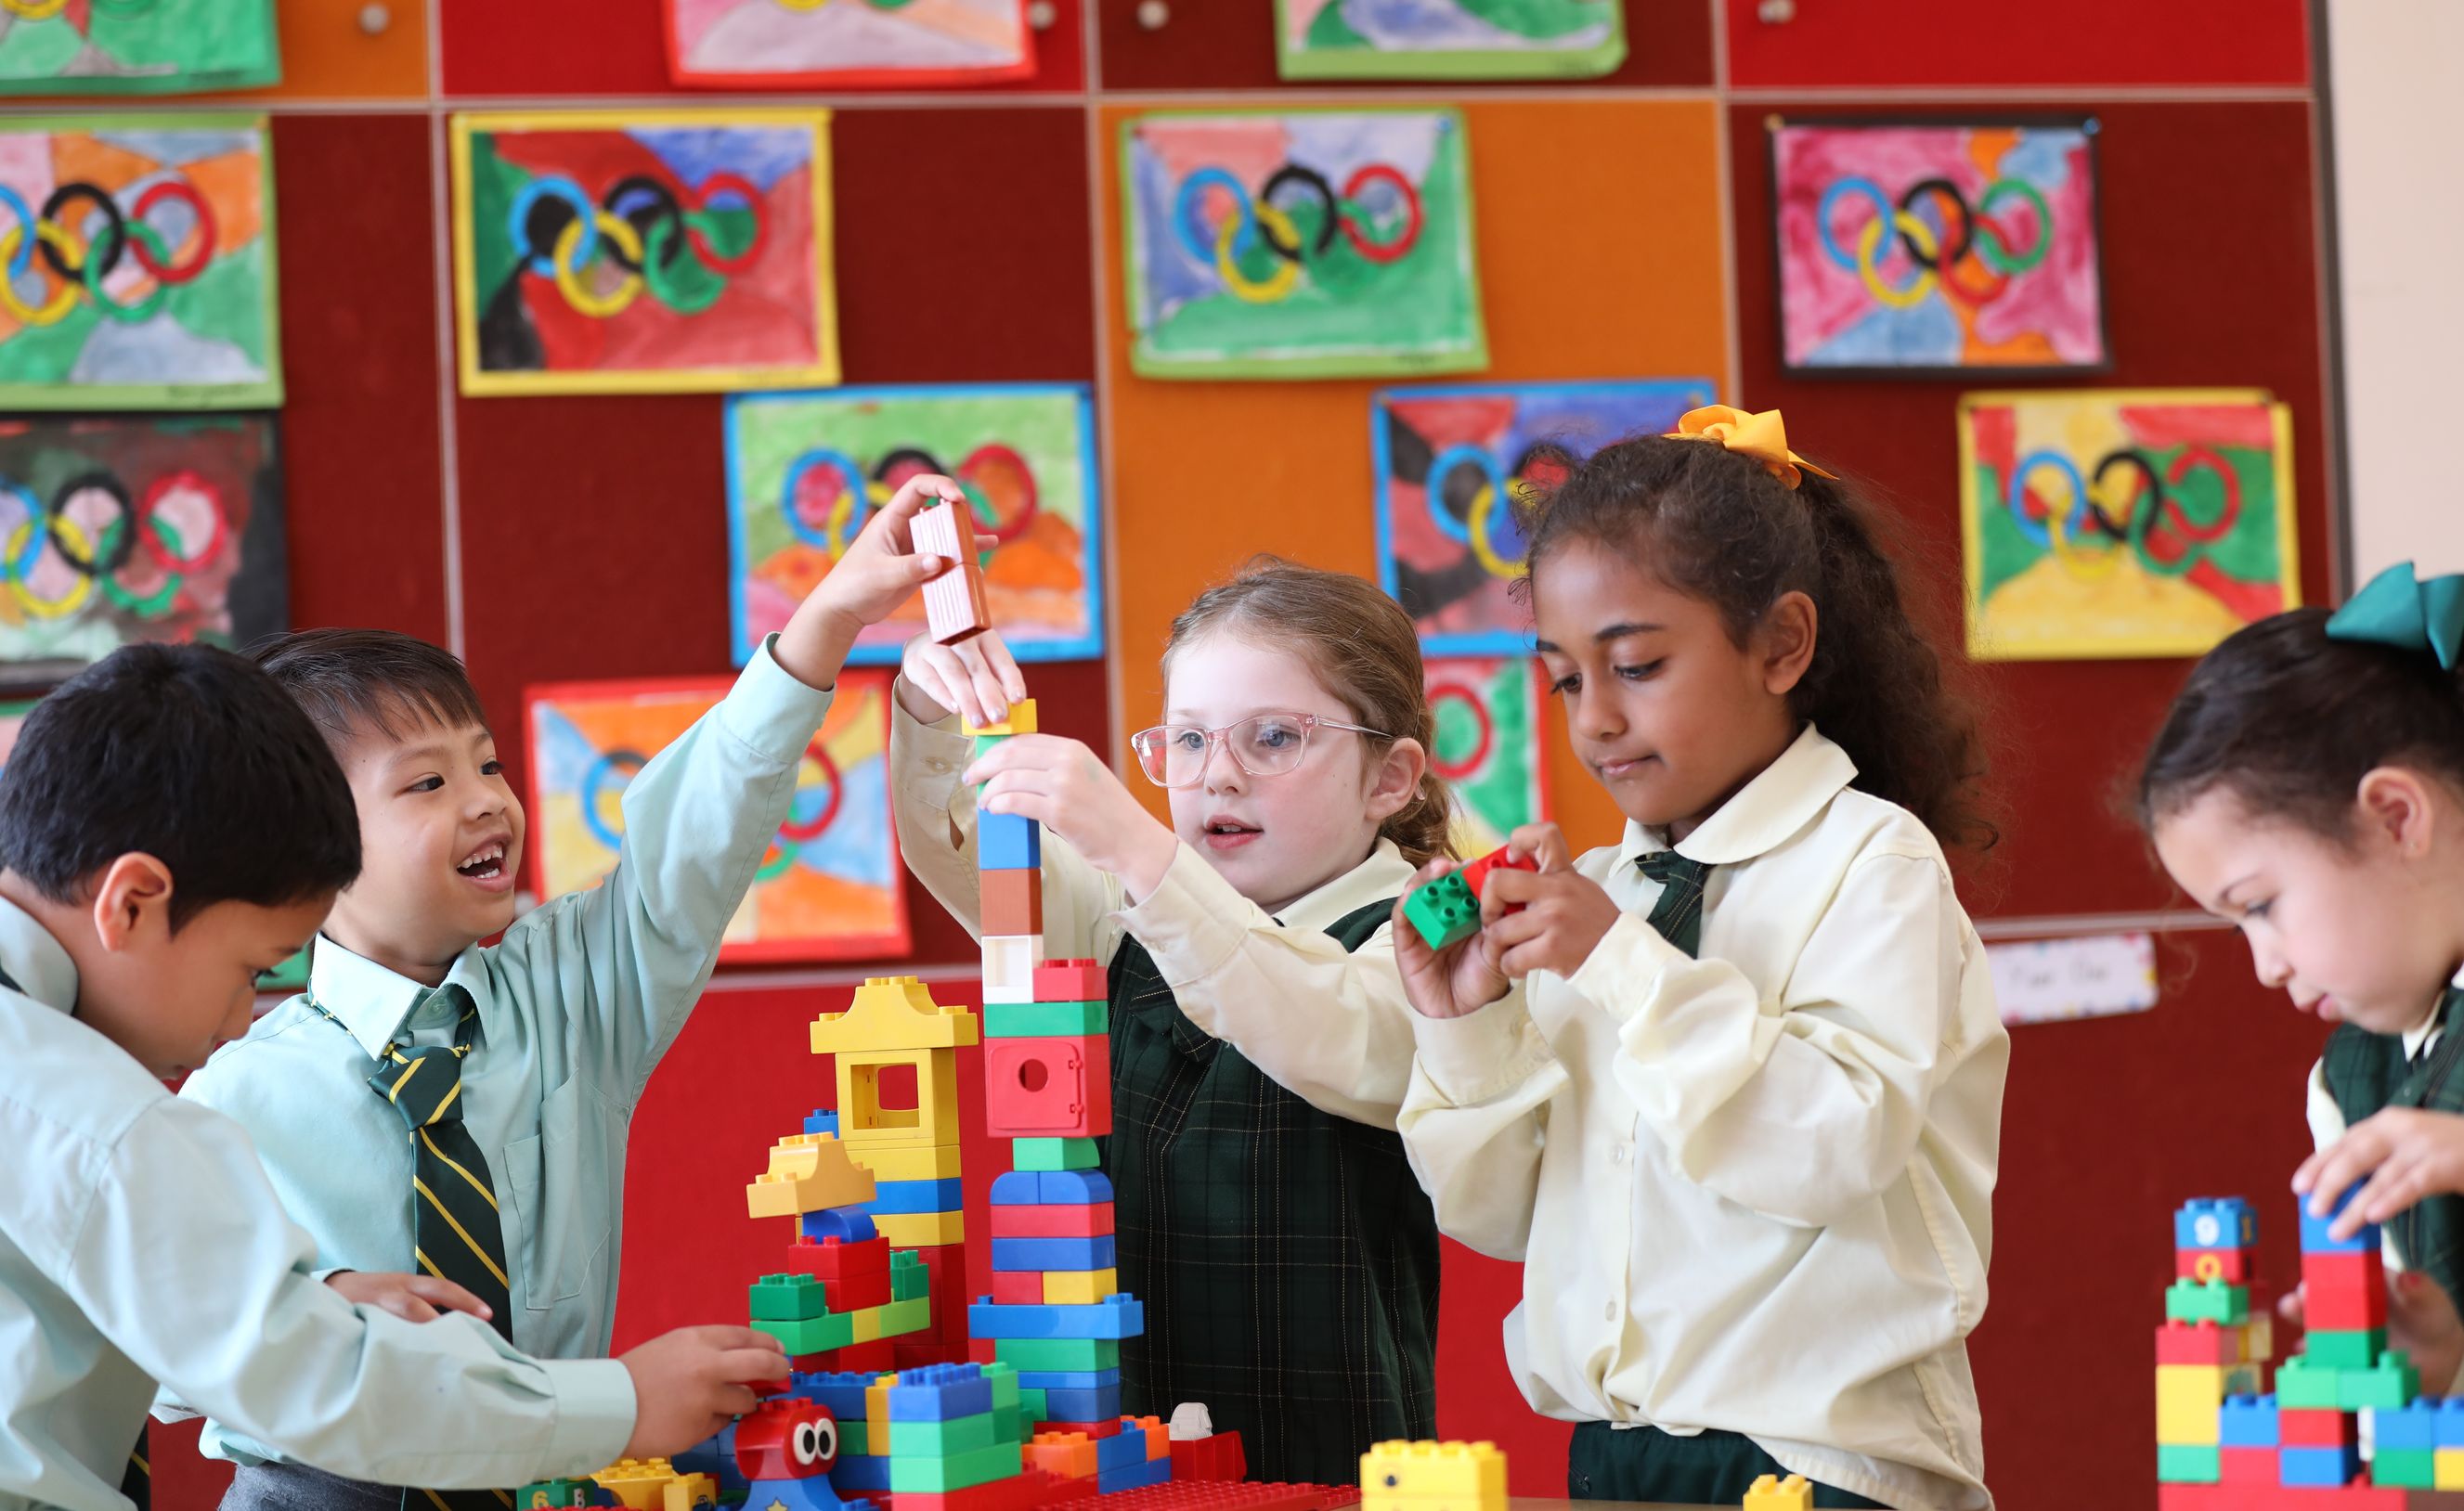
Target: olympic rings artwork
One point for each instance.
(2123, 522)
(1448, 39)
(121, 47)
(117, 531)
(1488, 746)
(1339, 244)
(135, 264)
(668, 251)
(805, 472)
(1451, 465)
(825, 885)
(848, 44)
(1910, 246)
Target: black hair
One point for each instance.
(192, 756)
(357, 681)
(1714, 524)
(2290, 721)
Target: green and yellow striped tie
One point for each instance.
(1677, 914)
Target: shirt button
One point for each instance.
(1618, 1156)
(936, 766)
(1608, 1313)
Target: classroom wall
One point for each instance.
(1623, 231)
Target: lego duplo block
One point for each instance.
(2189, 1463)
(1059, 1354)
(1133, 1477)
(1772, 1493)
(1061, 1187)
(1071, 1456)
(1048, 1087)
(1004, 1381)
(874, 1356)
(1103, 1400)
(1030, 1405)
(786, 1437)
(893, 1012)
(931, 1439)
(812, 1494)
(2199, 1342)
(1098, 1429)
(1443, 911)
(2318, 1466)
(1091, 1220)
(876, 1416)
(939, 1393)
(2247, 1466)
(903, 1319)
(1114, 1317)
(1019, 720)
(2315, 1238)
(842, 1393)
(2206, 1301)
(1007, 841)
(1018, 1287)
(2248, 1421)
(2343, 1292)
(911, 1161)
(1071, 980)
(910, 1279)
(846, 1225)
(957, 1472)
(2405, 1468)
(2389, 1385)
(1011, 902)
(808, 1172)
(1020, 1492)
(2189, 1397)
(788, 1297)
(2450, 1421)
(2414, 1426)
(1214, 1458)
(872, 1114)
(1125, 1447)
(810, 1335)
(923, 1230)
(947, 1266)
(1183, 1494)
(857, 1292)
(1052, 1254)
(1463, 1475)
(553, 1494)
(2450, 1468)
(822, 1120)
(1045, 1020)
(2316, 1427)
(861, 1474)
(1475, 873)
(956, 606)
(1054, 1153)
(833, 1258)
(2343, 1350)
(2212, 1264)
(1079, 1287)
(2306, 1386)
(638, 1485)
(899, 1197)
(2216, 1222)
(1069, 1379)
(1009, 965)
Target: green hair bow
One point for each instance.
(2395, 608)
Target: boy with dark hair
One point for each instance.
(172, 826)
(555, 1029)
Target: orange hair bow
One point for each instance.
(1760, 436)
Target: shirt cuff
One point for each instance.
(1622, 973)
(942, 752)
(1192, 922)
(1480, 1055)
(772, 711)
(594, 1412)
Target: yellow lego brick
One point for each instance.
(922, 1230)
(1434, 1477)
(808, 1172)
(894, 1011)
(2446, 1468)
(1021, 720)
(2258, 1337)
(2188, 1395)
(909, 1161)
(866, 1323)
(687, 1491)
(638, 1485)
(1772, 1493)
(876, 1416)
(1079, 1287)
(863, 1123)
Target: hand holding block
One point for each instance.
(954, 608)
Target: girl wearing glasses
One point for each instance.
(1260, 1042)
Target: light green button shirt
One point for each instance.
(577, 1003)
(140, 1242)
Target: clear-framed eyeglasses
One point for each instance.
(1261, 745)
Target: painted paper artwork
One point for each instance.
(1448, 38)
(13, 719)
(848, 44)
(134, 47)
(1452, 461)
(2123, 522)
(806, 469)
(1488, 746)
(1909, 247)
(1307, 244)
(649, 251)
(137, 266)
(829, 886)
(125, 529)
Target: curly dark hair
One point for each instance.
(1715, 524)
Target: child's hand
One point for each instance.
(691, 1383)
(880, 572)
(977, 679)
(1456, 981)
(1062, 785)
(1561, 916)
(412, 1297)
(2422, 1323)
(2408, 1154)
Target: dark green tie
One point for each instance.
(1677, 914)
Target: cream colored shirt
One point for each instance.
(1751, 1191)
(1331, 1027)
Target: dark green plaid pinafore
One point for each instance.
(2367, 1073)
(1286, 1256)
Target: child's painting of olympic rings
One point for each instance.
(1450, 464)
(826, 888)
(642, 251)
(1300, 244)
(847, 44)
(2123, 522)
(1488, 746)
(1908, 247)
(136, 46)
(1448, 38)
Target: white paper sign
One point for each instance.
(2096, 975)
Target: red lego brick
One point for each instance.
(2359, 1496)
(2343, 1292)
(2251, 1466)
(786, 1437)
(855, 1292)
(2232, 1267)
(1477, 871)
(912, 1355)
(947, 1266)
(1090, 1220)
(1018, 1492)
(1110, 1429)
(1218, 1457)
(1018, 1287)
(1071, 981)
(954, 606)
(1012, 902)
(1208, 1495)
(878, 1356)
(833, 1259)
(1049, 1087)
(2316, 1428)
(2196, 1343)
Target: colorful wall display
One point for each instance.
(848, 44)
(1448, 38)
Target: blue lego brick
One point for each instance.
(841, 1392)
(1126, 1447)
(859, 1471)
(2216, 1222)
(823, 1120)
(2415, 1425)
(897, 1197)
(1005, 842)
(1133, 1476)
(2246, 1421)
(1051, 1188)
(2450, 1422)
(813, 1493)
(2329, 1467)
(1100, 1404)
(847, 1224)
(714, 1457)
(939, 1392)
(2314, 1229)
(1114, 1316)
(1069, 1380)
(1052, 1254)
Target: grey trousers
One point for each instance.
(297, 1487)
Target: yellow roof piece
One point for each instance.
(894, 1011)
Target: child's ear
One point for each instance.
(1395, 779)
(1785, 641)
(132, 899)
(2394, 804)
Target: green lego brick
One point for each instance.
(2409, 1468)
(790, 1297)
(984, 743)
(2181, 1464)
(909, 1278)
(811, 1334)
(1003, 1379)
(2389, 1388)
(2344, 1350)
(1444, 911)
(2206, 1301)
(1058, 1353)
(958, 1435)
(957, 1472)
(1009, 1423)
(557, 1493)
(1031, 1406)
(1053, 1154)
(2305, 1385)
(898, 1319)
(1045, 1020)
